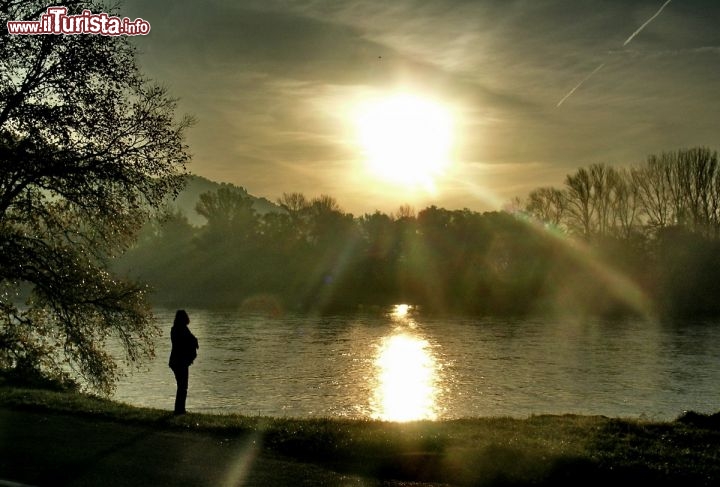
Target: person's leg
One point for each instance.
(181, 377)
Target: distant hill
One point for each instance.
(197, 185)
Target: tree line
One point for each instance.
(673, 189)
(611, 241)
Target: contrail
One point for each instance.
(580, 84)
(632, 36)
(627, 41)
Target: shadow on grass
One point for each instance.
(434, 460)
(77, 468)
(498, 466)
(605, 452)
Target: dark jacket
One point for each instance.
(184, 346)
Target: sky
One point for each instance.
(531, 90)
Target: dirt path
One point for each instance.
(42, 449)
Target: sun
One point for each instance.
(405, 139)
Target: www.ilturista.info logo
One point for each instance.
(56, 21)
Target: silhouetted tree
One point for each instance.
(626, 205)
(297, 207)
(88, 147)
(695, 190)
(547, 205)
(605, 181)
(580, 202)
(638, 219)
(653, 191)
(380, 253)
(404, 211)
(229, 213)
(327, 222)
(334, 240)
(293, 202)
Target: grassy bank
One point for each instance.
(539, 450)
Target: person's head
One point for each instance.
(181, 318)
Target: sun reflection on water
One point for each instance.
(407, 375)
(400, 311)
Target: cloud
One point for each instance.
(267, 78)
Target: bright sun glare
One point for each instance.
(406, 379)
(406, 139)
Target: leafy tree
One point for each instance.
(327, 223)
(297, 207)
(229, 213)
(88, 147)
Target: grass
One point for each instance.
(539, 450)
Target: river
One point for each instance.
(399, 365)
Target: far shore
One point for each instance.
(538, 450)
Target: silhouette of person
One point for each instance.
(182, 355)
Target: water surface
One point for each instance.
(400, 365)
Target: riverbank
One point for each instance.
(48, 436)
